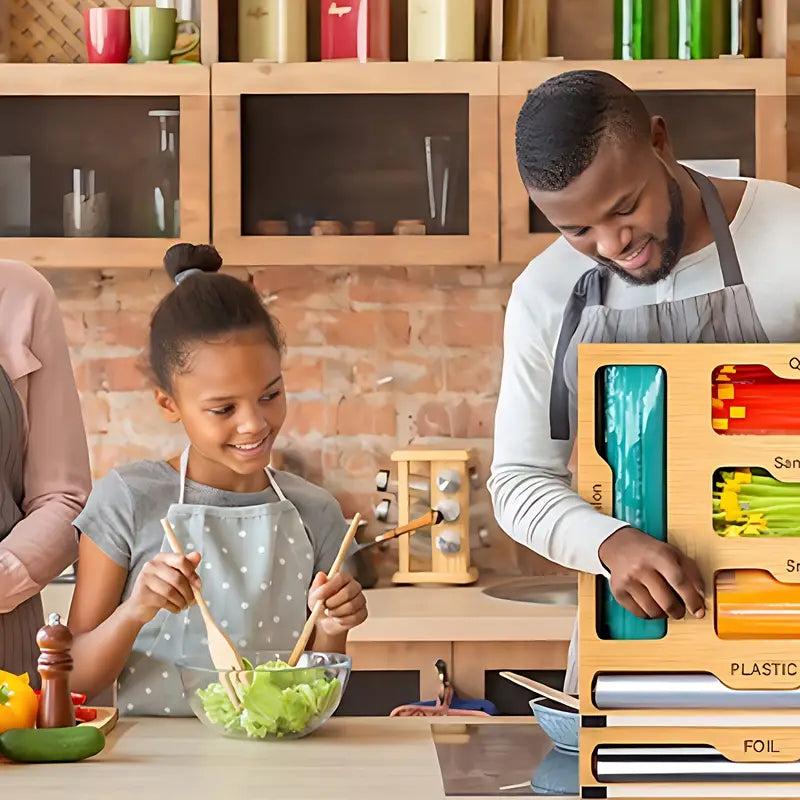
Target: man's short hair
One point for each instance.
(564, 121)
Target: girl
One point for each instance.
(254, 538)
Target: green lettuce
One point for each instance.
(275, 701)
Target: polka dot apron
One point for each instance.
(257, 564)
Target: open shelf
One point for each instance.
(105, 121)
(741, 104)
(298, 143)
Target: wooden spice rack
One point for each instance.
(694, 451)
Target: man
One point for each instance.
(44, 461)
(650, 251)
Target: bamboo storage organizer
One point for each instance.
(694, 451)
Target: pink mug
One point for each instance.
(107, 33)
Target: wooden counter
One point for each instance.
(347, 759)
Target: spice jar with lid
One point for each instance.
(441, 30)
(357, 30)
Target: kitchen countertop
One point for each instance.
(461, 613)
(347, 759)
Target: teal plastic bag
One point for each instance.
(634, 441)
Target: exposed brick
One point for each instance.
(477, 372)
(273, 280)
(466, 328)
(107, 454)
(396, 286)
(300, 327)
(354, 416)
(387, 328)
(408, 372)
(302, 373)
(137, 415)
(117, 327)
(96, 412)
(74, 327)
(305, 417)
(122, 374)
(433, 419)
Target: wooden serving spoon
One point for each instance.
(308, 629)
(224, 655)
(542, 689)
(433, 517)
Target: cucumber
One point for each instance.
(48, 745)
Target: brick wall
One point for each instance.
(377, 358)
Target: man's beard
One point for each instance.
(670, 247)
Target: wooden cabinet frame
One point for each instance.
(767, 77)
(188, 82)
(479, 80)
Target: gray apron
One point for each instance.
(18, 649)
(257, 565)
(724, 316)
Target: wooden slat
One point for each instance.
(156, 80)
(353, 78)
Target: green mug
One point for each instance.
(154, 31)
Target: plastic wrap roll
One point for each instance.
(634, 441)
(752, 604)
(660, 690)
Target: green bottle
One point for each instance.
(710, 22)
(642, 38)
(623, 29)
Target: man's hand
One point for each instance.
(652, 579)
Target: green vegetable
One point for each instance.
(47, 745)
(278, 701)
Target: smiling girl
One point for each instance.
(257, 541)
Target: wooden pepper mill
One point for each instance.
(55, 663)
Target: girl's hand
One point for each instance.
(164, 582)
(345, 604)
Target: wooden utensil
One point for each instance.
(543, 689)
(224, 654)
(305, 635)
(433, 517)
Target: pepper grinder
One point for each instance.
(55, 663)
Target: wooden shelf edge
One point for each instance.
(69, 253)
(764, 75)
(156, 80)
(349, 77)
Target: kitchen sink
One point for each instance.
(556, 591)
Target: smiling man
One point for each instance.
(650, 252)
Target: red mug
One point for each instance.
(107, 33)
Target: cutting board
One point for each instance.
(106, 719)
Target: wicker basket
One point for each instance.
(52, 30)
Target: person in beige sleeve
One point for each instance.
(44, 461)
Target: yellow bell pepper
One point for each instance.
(18, 702)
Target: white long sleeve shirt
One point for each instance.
(530, 479)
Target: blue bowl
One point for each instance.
(560, 723)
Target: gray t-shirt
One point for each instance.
(125, 508)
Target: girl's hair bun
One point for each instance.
(184, 256)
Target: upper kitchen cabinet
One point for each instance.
(342, 163)
(727, 115)
(106, 165)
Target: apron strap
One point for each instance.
(728, 260)
(184, 465)
(274, 484)
(588, 291)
